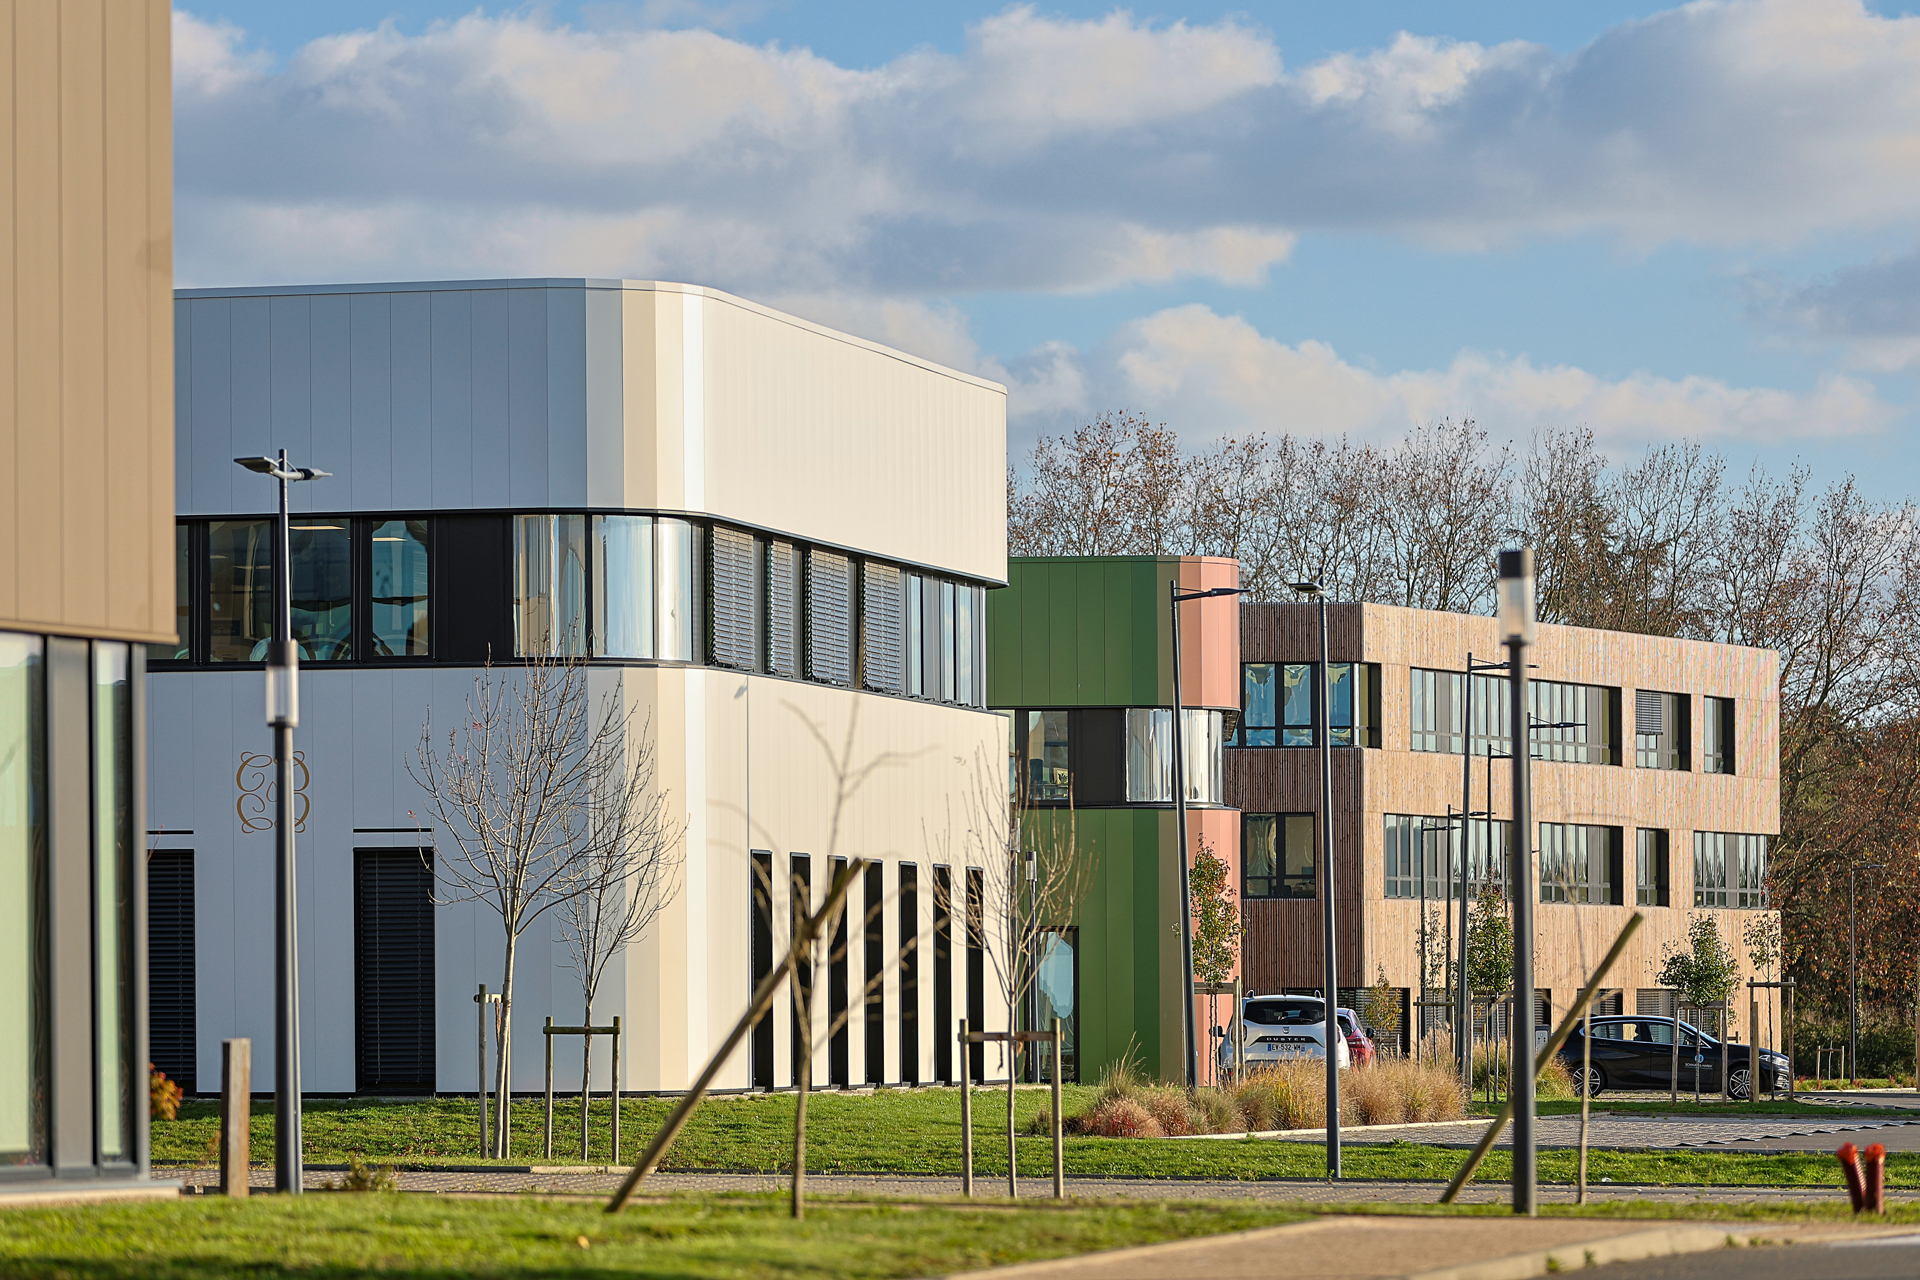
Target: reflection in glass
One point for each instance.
(322, 595)
(1277, 855)
(1049, 777)
(239, 589)
(963, 645)
(549, 584)
(1150, 755)
(23, 923)
(399, 579)
(916, 636)
(947, 673)
(1257, 722)
(675, 538)
(1203, 760)
(113, 900)
(1057, 985)
(623, 586)
(1296, 705)
(182, 602)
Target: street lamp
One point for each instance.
(283, 713)
(1516, 632)
(1179, 597)
(1322, 705)
(1853, 976)
(1463, 999)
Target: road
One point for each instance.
(1891, 1258)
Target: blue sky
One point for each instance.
(1655, 223)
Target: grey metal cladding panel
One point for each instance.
(253, 427)
(183, 406)
(527, 395)
(452, 407)
(567, 397)
(210, 431)
(331, 356)
(491, 408)
(369, 333)
(412, 400)
(606, 435)
(290, 391)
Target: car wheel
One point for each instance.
(1588, 1080)
(1740, 1083)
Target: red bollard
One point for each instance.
(1875, 1160)
(1849, 1156)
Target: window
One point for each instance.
(1418, 848)
(623, 586)
(1489, 846)
(240, 589)
(171, 1040)
(113, 996)
(1729, 870)
(1150, 755)
(1277, 855)
(783, 609)
(322, 596)
(182, 648)
(874, 972)
(1661, 730)
(839, 1069)
(23, 902)
(1438, 712)
(1716, 735)
(760, 960)
(733, 599)
(829, 620)
(1579, 863)
(1650, 870)
(914, 640)
(393, 971)
(1056, 987)
(976, 966)
(1578, 723)
(949, 676)
(675, 554)
(1046, 771)
(799, 907)
(909, 973)
(1277, 704)
(549, 584)
(881, 629)
(963, 646)
(398, 581)
(943, 974)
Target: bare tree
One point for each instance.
(625, 878)
(512, 789)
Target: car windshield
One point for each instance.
(1286, 1013)
(1347, 1025)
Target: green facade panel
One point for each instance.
(1080, 632)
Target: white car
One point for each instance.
(1277, 1027)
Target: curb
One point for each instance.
(1659, 1243)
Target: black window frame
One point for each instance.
(1279, 879)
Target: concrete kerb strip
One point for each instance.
(40, 1197)
(1661, 1242)
(1060, 1267)
(1347, 1129)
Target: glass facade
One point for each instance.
(1579, 863)
(1729, 870)
(398, 589)
(1277, 704)
(1650, 868)
(182, 600)
(1277, 855)
(1043, 749)
(623, 586)
(1418, 844)
(322, 598)
(1150, 755)
(23, 902)
(1660, 725)
(1716, 735)
(115, 1088)
(549, 584)
(1437, 712)
(239, 589)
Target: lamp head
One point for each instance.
(1306, 588)
(1516, 596)
(265, 466)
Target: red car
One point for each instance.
(1358, 1045)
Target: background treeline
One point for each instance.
(1672, 543)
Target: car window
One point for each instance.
(1346, 1024)
(1657, 1032)
(1286, 1013)
(1613, 1031)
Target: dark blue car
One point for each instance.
(1636, 1052)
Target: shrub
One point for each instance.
(1217, 1112)
(1258, 1099)
(163, 1095)
(1172, 1112)
(1120, 1118)
(361, 1177)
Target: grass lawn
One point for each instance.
(406, 1235)
(918, 1131)
(689, 1238)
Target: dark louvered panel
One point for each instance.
(1647, 713)
(733, 629)
(783, 601)
(881, 629)
(829, 617)
(170, 1003)
(393, 974)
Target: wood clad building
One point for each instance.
(1655, 784)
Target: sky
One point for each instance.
(1653, 223)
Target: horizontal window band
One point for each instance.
(388, 831)
(699, 517)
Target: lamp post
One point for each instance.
(1516, 632)
(1179, 597)
(283, 713)
(1853, 976)
(1330, 981)
(1463, 1001)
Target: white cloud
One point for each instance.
(1871, 311)
(1211, 375)
(1050, 154)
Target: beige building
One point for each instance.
(770, 539)
(86, 516)
(1655, 786)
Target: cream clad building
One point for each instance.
(770, 539)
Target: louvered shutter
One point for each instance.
(393, 972)
(1647, 709)
(783, 655)
(731, 597)
(882, 629)
(829, 617)
(170, 971)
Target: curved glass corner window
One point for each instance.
(623, 586)
(1150, 755)
(239, 589)
(674, 539)
(23, 917)
(549, 584)
(322, 597)
(399, 589)
(113, 1002)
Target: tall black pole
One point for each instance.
(1180, 835)
(1463, 999)
(283, 714)
(1853, 985)
(1517, 566)
(1324, 738)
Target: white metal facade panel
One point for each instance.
(413, 435)
(370, 342)
(451, 402)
